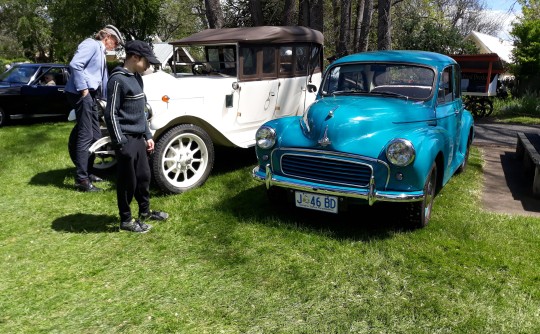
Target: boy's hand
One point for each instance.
(150, 146)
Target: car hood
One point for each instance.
(362, 125)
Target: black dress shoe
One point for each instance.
(95, 178)
(86, 186)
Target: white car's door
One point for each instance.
(257, 101)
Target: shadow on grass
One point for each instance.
(53, 178)
(85, 223)
(358, 223)
(56, 177)
(229, 159)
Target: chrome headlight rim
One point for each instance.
(400, 152)
(265, 138)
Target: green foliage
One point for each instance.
(135, 19)
(27, 24)
(229, 262)
(523, 109)
(527, 46)
(430, 35)
(7, 61)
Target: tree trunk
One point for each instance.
(335, 23)
(363, 40)
(317, 15)
(255, 9)
(303, 13)
(214, 14)
(358, 25)
(289, 12)
(344, 28)
(384, 31)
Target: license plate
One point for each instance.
(316, 202)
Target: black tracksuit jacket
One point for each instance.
(125, 106)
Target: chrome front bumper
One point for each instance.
(369, 193)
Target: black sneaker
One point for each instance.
(154, 215)
(86, 186)
(95, 178)
(135, 226)
(144, 226)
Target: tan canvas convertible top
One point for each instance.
(253, 35)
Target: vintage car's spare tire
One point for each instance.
(105, 157)
(183, 159)
(419, 213)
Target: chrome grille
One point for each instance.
(324, 169)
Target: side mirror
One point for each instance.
(312, 88)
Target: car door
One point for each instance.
(449, 111)
(46, 99)
(259, 87)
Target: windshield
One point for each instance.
(197, 59)
(18, 74)
(399, 80)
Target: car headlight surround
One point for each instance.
(400, 152)
(265, 137)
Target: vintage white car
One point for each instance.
(238, 79)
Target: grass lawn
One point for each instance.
(228, 262)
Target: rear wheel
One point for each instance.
(463, 166)
(183, 158)
(4, 117)
(419, 213)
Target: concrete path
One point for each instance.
(506, 189)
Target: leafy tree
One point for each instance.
(26, 23)
(180, 18)
(136, 19)
(526, 53)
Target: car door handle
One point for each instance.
(272, 94)
(61, 90)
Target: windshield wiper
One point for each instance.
(387, 93)
(352, 91)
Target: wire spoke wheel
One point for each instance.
(183, 158)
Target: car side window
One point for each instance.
(249, 64)
(446, 86)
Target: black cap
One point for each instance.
(141, 48)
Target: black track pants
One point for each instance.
(133, 178)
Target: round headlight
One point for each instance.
(265, 137)
(400, 152)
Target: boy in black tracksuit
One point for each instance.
(131, 137)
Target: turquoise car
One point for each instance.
(386, 126)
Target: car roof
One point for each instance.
(253, 35)
(38, 64)
(402, 56)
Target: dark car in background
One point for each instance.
(24, 92)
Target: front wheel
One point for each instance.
(419, 213)
(183, 159)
